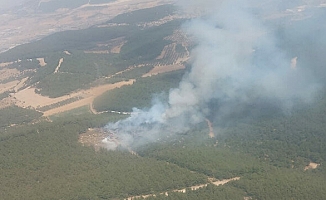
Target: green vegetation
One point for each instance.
(84, 110)
(14, 115)
(79, 70)
(283, 184)
(147, 44)
(84, 39)
(284, 141)
(40, 160)
(56, 85)
(140, 94)
(4, 95)
(43, 160)
(144, 15)
(220, 163)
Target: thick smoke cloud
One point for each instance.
(244, 64)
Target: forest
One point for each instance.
(145, 15)
(140, 94)
(42, 158)
(79, 69)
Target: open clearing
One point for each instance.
(89, 96)
(8, 86)
(41, 61)
(312, 166)
(163, 69)
(28, 98)
(8, 73)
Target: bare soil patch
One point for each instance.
(5, 64)
(8, 73)
(311, 166)
(29, 98)
(59, 65)
(89, 96)
(97, 52)
(41, 61)
(20, 84)
(8, 86)
(163, 69)
(67, 52)
(184, 190)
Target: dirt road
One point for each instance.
(184, 190)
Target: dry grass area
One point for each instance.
(5, 64)
(29, 98)
(89, 96)
(21, 84)
(36, 26)
(8, 86)
(6, 102)
(163, 69)
(311, 166)
(6, 73)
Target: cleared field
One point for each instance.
(164, 69)
(90, 95)
(8, 86)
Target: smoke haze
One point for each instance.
(5, 4)
(243, 64)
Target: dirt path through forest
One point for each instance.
(184, 190)
(59, 65)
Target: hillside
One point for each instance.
(81, 110)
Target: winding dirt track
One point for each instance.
(184, 190)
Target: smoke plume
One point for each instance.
(247, 60)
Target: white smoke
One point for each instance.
(237, 62)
